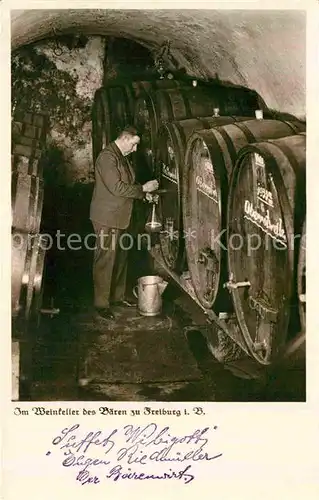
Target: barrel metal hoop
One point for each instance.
(205, 123)
(247, 133)
(292, 126)
(229, 143)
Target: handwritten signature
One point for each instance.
(138, 446)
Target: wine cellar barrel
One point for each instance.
(301, 279)
(265, 212)
(157, 107)
(209, 160)
(169, 161)
(19, 246)
(111, 111)
(32, 279)
(27, 202)
(114, 105)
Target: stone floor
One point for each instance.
(58, 362)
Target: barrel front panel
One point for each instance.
(202, 221)
(259, 254)
(169, 167)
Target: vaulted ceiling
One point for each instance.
(265, 50)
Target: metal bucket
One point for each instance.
(149, 291)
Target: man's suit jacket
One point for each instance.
(114, 190)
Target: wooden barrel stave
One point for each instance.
(27, 202)
(19, 245)
(268, 184)
(27, 264)
(218, 149)
(32, 280)
(26, 166)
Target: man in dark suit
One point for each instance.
(111, 208)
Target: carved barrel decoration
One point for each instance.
(266, 210)
(209, 161)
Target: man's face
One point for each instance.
(131, 143)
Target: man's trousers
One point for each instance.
(109, 266)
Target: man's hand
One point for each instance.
(150, 186)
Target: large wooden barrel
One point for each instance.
(209, 160)
(169, 164)
(154, 108)
(301, 279)
(114, 105)
(266, 209)
(27, 202)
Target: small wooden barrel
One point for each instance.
(209, 160)
(301, 279)
(27, 202)
(169, 160)
(32, 280)
(265, 211)
(27, 267)
(19, 251)
(26, 166)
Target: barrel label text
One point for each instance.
(205, 180)
(273, 229)
(265, 196)
(206, 189)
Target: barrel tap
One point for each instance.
(232, 285)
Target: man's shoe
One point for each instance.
(125, 302)
(104, 313)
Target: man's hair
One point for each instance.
(128, 130)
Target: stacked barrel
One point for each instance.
(28, 245)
